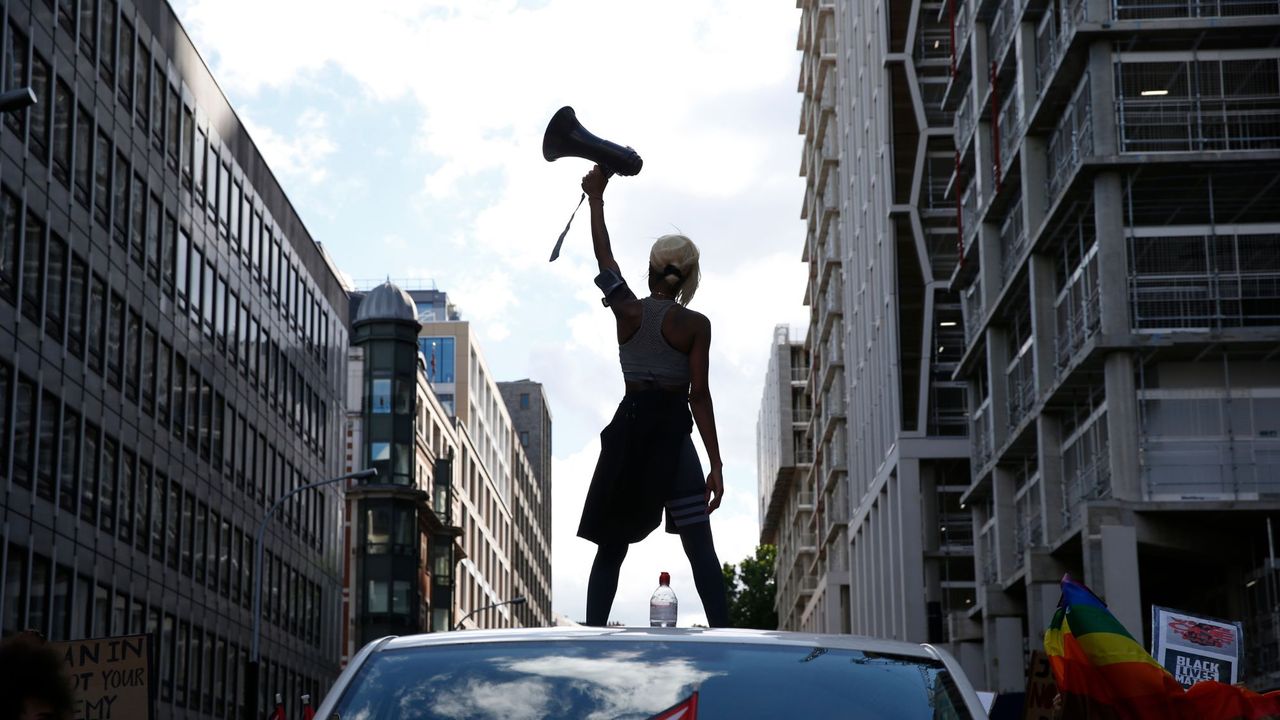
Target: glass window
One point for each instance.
(197, 167)
(56, 286)
(142, 86)
(33, 268)
(524, 401)
(107, 38)
(125, 498)
(173, 127)
(164, 390)
(115, 337)
(75, 306)
(159, 515)
(60, 610)
(179, 394)
(142, 498)
(42, 86)
(102, 180)
(38, 603)
(15, 586)
(376, 601)
(153, 239)
(84, 155)
(126, 64)
(89, 475)
(69, 476)
(138, 221)
(10, 242)
(188, 531)
(120, 195)
(172, 525)
(88, 27)
(173, 255)
(24, 432)
(109, 474)
(195, 271)
(47, 455)
(97, 322)
(439, 354)
(15, 60)
(380, 396)
(63, 130)
(157, 106)
(188, 147)
(148, 365)
(132, 355)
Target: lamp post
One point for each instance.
(517, 600)
(251, 672)
(17, 99)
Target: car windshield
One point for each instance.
(610, 679)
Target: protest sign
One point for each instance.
(1194, 648)
(111, 677)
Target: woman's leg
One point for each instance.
(603, 583)
(707, 574)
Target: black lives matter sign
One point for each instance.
(1189, 669)
(111, 677)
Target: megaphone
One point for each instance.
(565, 137)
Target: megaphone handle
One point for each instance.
(555, 252)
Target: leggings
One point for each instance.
(707, 576)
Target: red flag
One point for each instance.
(307, 712)
(278, 713)
(686, 709)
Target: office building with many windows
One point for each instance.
(530, 413)
(498, 489)
(172, 361)
(1117, 167)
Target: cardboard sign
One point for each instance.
(1041, 689)
(111, 676)
(1194, 648)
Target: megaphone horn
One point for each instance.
(565, 137)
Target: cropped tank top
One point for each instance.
(647, 355)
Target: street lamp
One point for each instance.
(251, 672)
(17, 99)
(517, 600)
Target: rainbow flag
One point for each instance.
(1104, 674)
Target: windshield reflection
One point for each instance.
(617, 684)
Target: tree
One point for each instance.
(750, 587)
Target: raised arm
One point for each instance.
(703, 412)
(593, 184)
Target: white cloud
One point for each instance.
(299, 156)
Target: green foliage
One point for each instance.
(750, 586)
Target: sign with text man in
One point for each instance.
(1194, 648)
(111, 676)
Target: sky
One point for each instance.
(408, 136)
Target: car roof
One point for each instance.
(647, 634)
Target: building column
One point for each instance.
(1002, 489)
(1049, 458)
(1113, 260)
(911, 531)
(1006, 671)
(1122, 427)
(1111, 570)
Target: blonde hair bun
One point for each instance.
(674, 258)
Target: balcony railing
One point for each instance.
(966, 119)
(969, 224)
(1078, 320)
(983, 442)
(1021, 388)
(1013, 240)
(1010, 129)
(801, 414)
(800, 374)
(1000, 29)
(1092, 482)
(962, 26)
(1179, 9)
(1071, 141)
(972, 299)
(987, 555)
(1053, 37)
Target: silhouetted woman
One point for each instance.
(647, 463)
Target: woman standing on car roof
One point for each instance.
(647, 460)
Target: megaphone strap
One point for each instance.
(555, 252)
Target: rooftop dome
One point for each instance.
(386, 302)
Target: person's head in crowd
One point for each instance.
(33, 682)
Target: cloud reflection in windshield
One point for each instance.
(619, 684)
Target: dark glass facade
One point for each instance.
(172, 353)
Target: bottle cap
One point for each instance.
(664, 579)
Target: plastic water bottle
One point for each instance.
(663, 604)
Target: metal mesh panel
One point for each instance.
(1198, 105)
(1175, 9)
(1210, 443)
(1203, 282)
